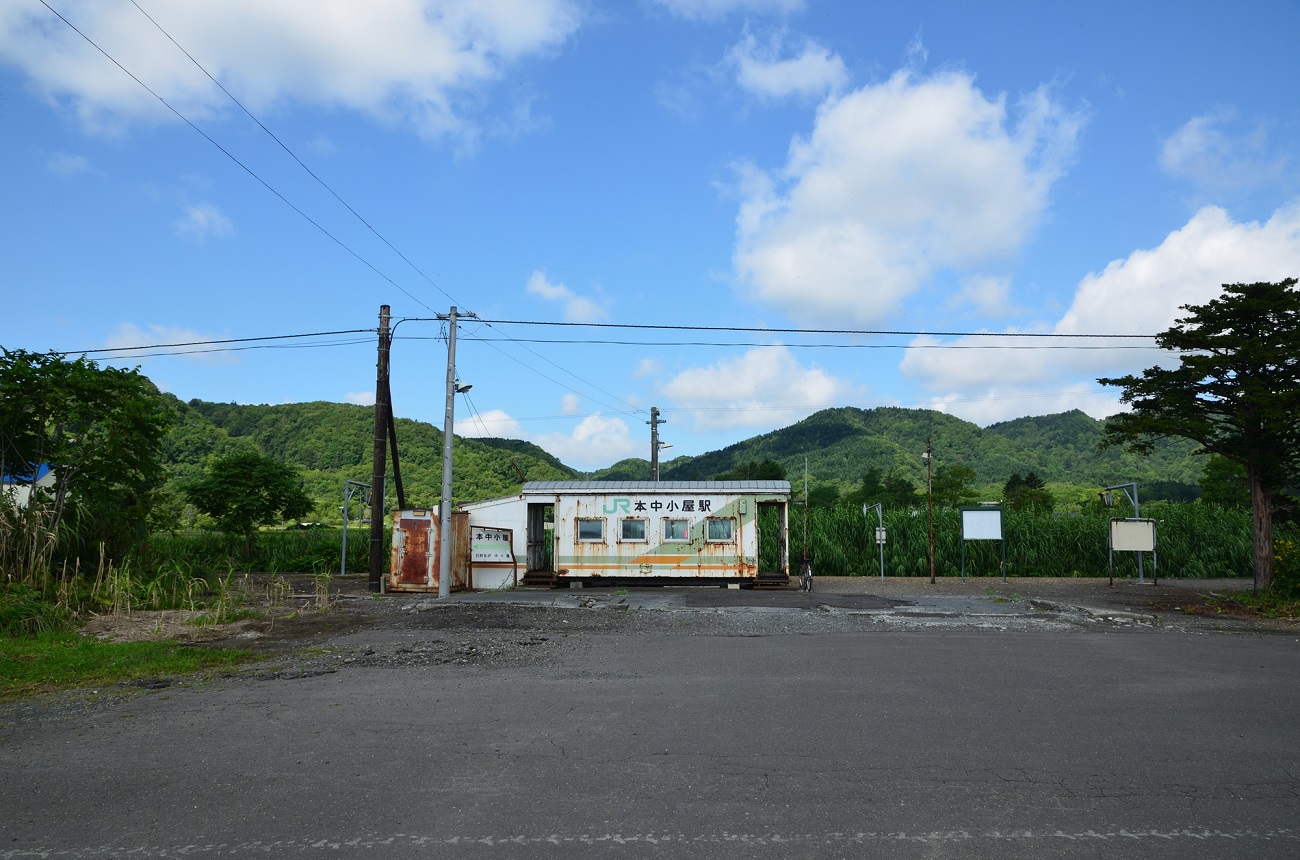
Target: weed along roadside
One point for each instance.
(216, 628)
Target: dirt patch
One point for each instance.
(264, 611)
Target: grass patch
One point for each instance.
(60, 660)
(1269, 603)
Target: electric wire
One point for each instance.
(300, 162)
(352, 210)
(678, 343)
(631, 410)
(211, 342)
(241, 164)
(858, 332)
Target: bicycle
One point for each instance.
(805, 574)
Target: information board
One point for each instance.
(977, 524)
(1133, 535)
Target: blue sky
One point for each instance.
(770, 164)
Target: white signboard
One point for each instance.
(1133, 535)
(488, 545)
(981, 524)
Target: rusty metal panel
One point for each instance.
(414, 562)
(416, 553)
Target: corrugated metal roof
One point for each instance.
(606, 487)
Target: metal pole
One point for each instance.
(380, 457)
(343, 565)
(880, 521)
(444, 506)
(929, 495)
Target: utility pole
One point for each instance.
(444, 506)
(654, 423)
(380, 457)
(929, 495)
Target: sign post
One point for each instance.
(880, 533)
(1133, 535)
(982, 523)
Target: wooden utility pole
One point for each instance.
(654, 423)
(378, 475)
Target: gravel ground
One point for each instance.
(300, 638)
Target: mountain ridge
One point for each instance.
(333, 442)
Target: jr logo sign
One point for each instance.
(615, 506)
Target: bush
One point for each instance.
(23, 612)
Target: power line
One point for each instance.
(241, 164)
(802, 345)
(295, 157)
(634, 409)
(211, 342)
(358, 216)
(775, 331)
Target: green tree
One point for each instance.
(823, 496)
(1027, 491)
(1224, 483)
(1236, 392)
(100, 429)
(751, 470)
(244, 491)
(890, 489)
(953, 486)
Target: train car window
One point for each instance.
(591, 531)
(633, 531)
(677, 530)
(718, 529)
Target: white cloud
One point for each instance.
(647, 367)
(569, 404)
(1213, 155)
(596, 441)
(128, 335)
(764, 386)
(202, 220)
(576, 308)
(762, 70)
(360, 398)
(1141, 294)
(62, 164)
(897, 181)
(403, 60)
(987, 294)
(494, 423)
(698, 10)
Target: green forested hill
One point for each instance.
(841, 444)
(333, 442)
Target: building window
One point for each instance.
(678, 531)
(717, 529)
(591, 531)
(633, 531)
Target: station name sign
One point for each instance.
(488, 545)
(628, 506)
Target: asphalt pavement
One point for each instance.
(663, 724)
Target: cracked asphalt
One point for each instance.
(863, 720)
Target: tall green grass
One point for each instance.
(1192, 540)
(315, 550)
